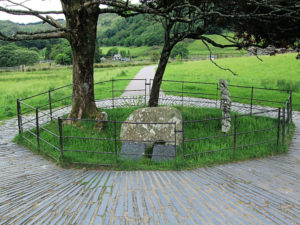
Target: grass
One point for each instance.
(192, 131)
(280, 71)
(197, 48)
(14, 85)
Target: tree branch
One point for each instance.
(33, 36)
(212, 61)
(48, 19)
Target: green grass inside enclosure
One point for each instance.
(280, 71)
(14, 85)
(103, 151)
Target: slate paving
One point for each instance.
(36, 191)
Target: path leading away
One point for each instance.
(36, 191)
(137, 87)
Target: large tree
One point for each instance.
(182, 19)
(254, 22)
(80, 30)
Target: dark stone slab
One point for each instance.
(134, 151)
(163, 152)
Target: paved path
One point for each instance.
(136, 87)
(35, 191)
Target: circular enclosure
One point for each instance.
(259, 126)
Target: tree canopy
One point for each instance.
(255, 23)
(12, 55)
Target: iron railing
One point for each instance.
(48, 106)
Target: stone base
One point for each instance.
(163, 152)
(133, 151)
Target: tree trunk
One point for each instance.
(81, 22)
(165, 55)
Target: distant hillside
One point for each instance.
(9, 27)
(139, 36)
(133, 31)
(113, 30)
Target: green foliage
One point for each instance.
(155, 56)
(63, 47)
(123, 53)
(289, 85)
(48, 52)
(11, 55)
(180, 50)
(63, 59)
(132, 31)
(112, 51)
(98, 54)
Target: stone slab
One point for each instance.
(134, 151)
(163, 152)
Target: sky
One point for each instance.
(41, 5)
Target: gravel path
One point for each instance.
(136, 87)
(36, 191)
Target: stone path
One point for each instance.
(136, 87)
(36, 191)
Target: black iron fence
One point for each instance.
(36, 112)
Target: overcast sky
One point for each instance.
(41, 5)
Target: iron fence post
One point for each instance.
(291, 106)
(288, 116)
(19, 116)
(61, 147)
(217, 93)
(50, 104)
(278, 126)
(234, 136)
(182, 142)
(145, 92)
(112, 93)
(115, 137)
(37, 128)
(182, 83)
(283, 125)
(251, 105)
(175, 146)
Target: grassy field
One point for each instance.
(103, 151)
(197, 48)
(14, 85)
(280, 71)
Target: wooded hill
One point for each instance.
(140, 37)
(113, 30)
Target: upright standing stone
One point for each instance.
(225, 106)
